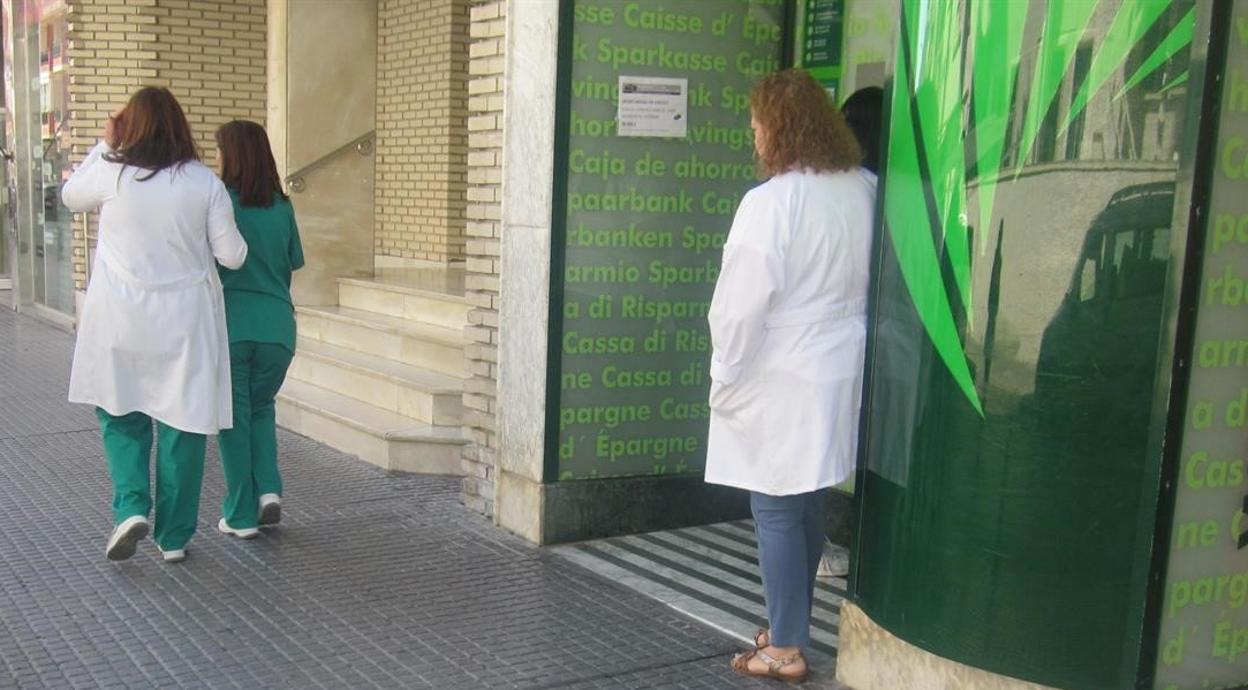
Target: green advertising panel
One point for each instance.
(659, 153)
(846, 44)
(1011, 458)
(1204, 634)
(821, 41)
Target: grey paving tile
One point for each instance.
(372, 580)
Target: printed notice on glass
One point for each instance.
(653, 107)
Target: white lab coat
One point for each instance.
(151, 337)
(788, 326)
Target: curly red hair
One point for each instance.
(803, 128)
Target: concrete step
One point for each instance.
(378, 436)
(424, 395)
(418, 344)
(404, 302)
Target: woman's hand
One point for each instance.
(112, 130)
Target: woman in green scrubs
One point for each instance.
(260, 317)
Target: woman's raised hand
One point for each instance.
(112, 129)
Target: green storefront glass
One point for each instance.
(1030, 234)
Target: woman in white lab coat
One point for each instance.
(152, 342)
(788, 326)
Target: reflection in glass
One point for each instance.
(1028, 201)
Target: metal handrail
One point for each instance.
(362, 144)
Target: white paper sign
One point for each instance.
(653, 107)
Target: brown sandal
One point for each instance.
(762, 638)
(741, 664)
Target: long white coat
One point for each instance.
(788, 326)
(151, 337)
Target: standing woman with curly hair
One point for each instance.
(788, 326)
(152, 342)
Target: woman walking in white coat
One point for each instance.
(152, 342)
(788, 326)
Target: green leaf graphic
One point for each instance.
(925, 217)
(910, 228)
(1133, 20)
(1063, 27)
(998, 30)
(938, 95)
(1179, 38)
(1181, 79)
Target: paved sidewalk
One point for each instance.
(371, 581)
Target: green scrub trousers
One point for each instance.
(249, 450)
(179, 474)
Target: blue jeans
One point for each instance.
(790, 533)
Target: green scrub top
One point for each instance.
(258, 307)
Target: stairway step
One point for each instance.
(427, 346)
(401, 301)
(378, 436)
(422, 394)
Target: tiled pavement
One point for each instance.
(372, 580)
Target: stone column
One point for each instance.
(528, 181)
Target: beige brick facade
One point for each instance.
(210, 53)
(438, 145)
(422, 56)
(485, 173)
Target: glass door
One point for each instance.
(37, 124)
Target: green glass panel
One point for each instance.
(1064, 26)
(1178, 40)
(998, 38)
(1179, 80)
(1133, 19)
(938, 94)
(919, 260)
(1007, 466)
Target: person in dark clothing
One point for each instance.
(864, 111)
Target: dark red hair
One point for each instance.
(152, 132)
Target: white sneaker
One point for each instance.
(270, 509)
(173, 555)
(245, 533)
(125, 538)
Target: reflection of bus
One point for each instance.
(1098, 356)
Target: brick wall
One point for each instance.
(485, 173)
(210, 53)
(422, 56)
